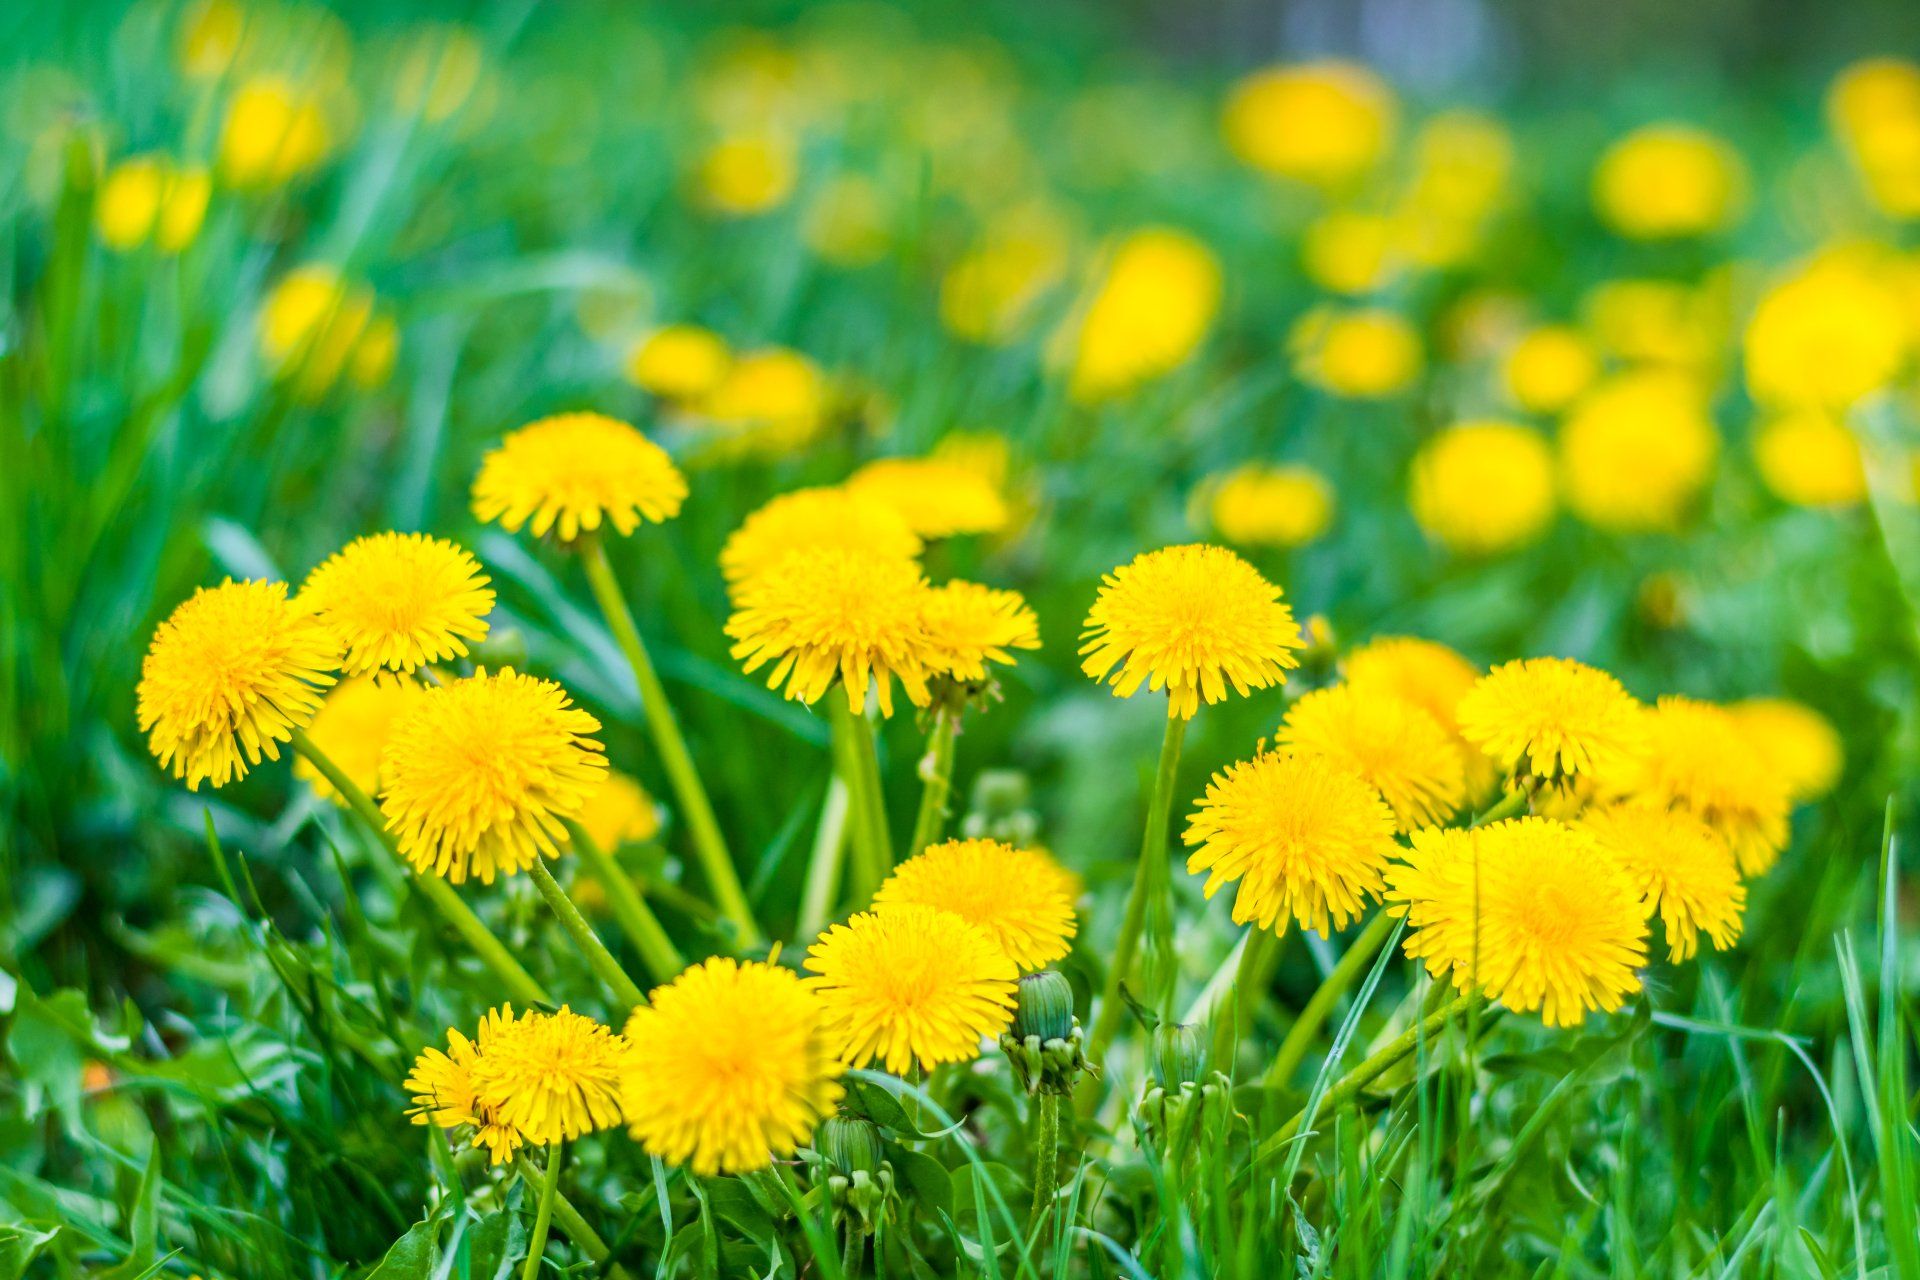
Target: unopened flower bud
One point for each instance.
(1045, 1008)
(850, 1143)
(1179, 1054)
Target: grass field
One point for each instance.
(713, 354)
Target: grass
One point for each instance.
(208, 1001)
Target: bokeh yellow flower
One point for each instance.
(772, 402)
(1365, 354)
(729, 1067)
(1873, 107)
(1548, 368)
(991, 290)
(1191, 620)
(228, 677)
(1554, 720)
(679, 362)
(1681, 866)
(1699, 757)
(571, 472)
(618, 811)
(400, 601)
(969, 625)
(911, 984)
(1394, 746)
(939, 499)
(1664, 181)
(1808, 457)
(816, 520)
(1827, 335)
(351, 730)
(1483, 487)
(552, 1076)
(1022, 898)
(1257, 505)
(314, 326)
(1304, 838)
(151, 198)
(274, 131)
(482, 772)
(1350, 252)
(1637, 451)
(1153, 306)
(1797, 743)
(1326, 124)
(746, 174)
(211, 33)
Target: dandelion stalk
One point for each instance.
(636, 918)
(445, 900)
(823, 864)
(1300, 1035)
(709, 844)
(598, 958)
(1046, 1160)
(1231, 1018)
(936, 772)
(549, 1184)
(572, 1225)
(872, 845)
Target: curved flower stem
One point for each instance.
(637, 921)
(572, 1225)
(936, 769)
(435, 890)
(1150, 884)
(1046, 1161)
(599, 959)
(872, 845)
(708, 843)
(1350, 966)
(1505, 807)
(549, 1183)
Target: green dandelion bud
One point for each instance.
(1045, 1045)
(850, 1144)
(1045, 1007)
(1179, 1054)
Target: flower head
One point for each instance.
(771, 403)
(1433, 678)
(1530, 911)
(1796, 742)
(573, 471)
(1683, 868)
(1829, 334)
(619, 811)
(481, 773)
(1809, 458)
(730, 1067)
(1548, 368)
(1699, 757)
(1637, 450)
(1021, 897)
(1665, 181)
(816, 520)
(1153, 306)
(679, 362)
(969, 625)
(911, 984)
(228, 677)
(827, 614)
(1483, 487)
(1553, 719)
(939, 499)
(400, 601)
(1322, 123)
(1392, 744)
(1367, 353)
(1263, 506)
(552, 1076)
(1306, 838)
(443, 1092)
(351, 729)
(1190, 620)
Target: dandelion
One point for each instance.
(573, 471)
(939, 499)
(1811, 459)
(1827, 335)
(771, 403)
(1393, 745)
(230, 675)
(443, 1092)
(989, 293)
(1306, 838)
(1637, 450)
(1548, 368)
(552, 1076)
(1699, 757)
(1149, 312)
(1350, 252)
(1530, 911)
(274, 131)
(822, 615)
(1796, 742)
(1021, 897)
(1365, 354)
(351, 730)
(618, 811)
(816, 520)
(1432, 677)
(746, 175)
(1685, 871)
(1326, 123)
(1190, 620)
(150, 197)
(314, 328)
(1555, 720)
(679, 362)
(400, 601)
(968, 626)
(911, 984)
(1666, 181)
(1483, 487)
(1270, 506)
(729, 1068)
(481, 774)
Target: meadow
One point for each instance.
(833, 641)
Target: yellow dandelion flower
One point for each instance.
(1323, 123)
(816, 520)
(228, 677)
(911, 984)
(480, 774)
(1395, 746)
(1351, 252)
(679, 362)
(1529, 911)
(1700, 757)
(1637, 450)
(938, 498)
(1685, 871)
(1548, 368)
(619, 811)
(771, 403)
(273, 131)
(969, 625)
(730, 1067)
(1305, 838)
(1190, 620)
(442, 1089)
(1365, 354)
(150, 197)
(1554, 719)
(827, 614)
(1270, 506)
(351, 729)
(571, 472)
(1811, 459)
(400, 601)
(1665, 181)
(1021, 897)
(312, 327)
(1827, 335)
(746, 175)
(1797, 743)
(1152, 307)
(552, 1076)
(1483, 487)
(1432, 677)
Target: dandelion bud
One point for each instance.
(1179, 1056)
(1045, 1045)
(1045, 1008)
(850, 1144)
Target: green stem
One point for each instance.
(1150, 879)
(872, 845)
(573, 1226)
(708, 843)
(642, 927)
(818, 896)
(1505, 807)
(520, 984)
(599, 959)
(549, 1184)
(937, 771)
(1232, 1016)
(1301, 1034)
(854, 1252)
(1046, 1161)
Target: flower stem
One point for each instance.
(1350, 966)
(708, 843)
(1046, 1161)
(818, 897)
(854, 1253)
(872, 845)
(1508, 805)
(1234, 1014)
(642, 927)
(936, 769)
(549, 1183)
(599, 959)
(572, 1225)
(435, 890)
(1150, 882)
